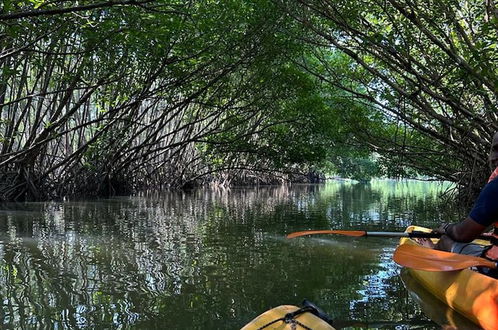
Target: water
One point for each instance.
(210, 259)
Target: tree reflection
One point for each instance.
(203, 259)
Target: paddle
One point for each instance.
(362, 233)
(418, 257)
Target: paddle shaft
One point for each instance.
(361, 233)
(414, 234)
(419, 234)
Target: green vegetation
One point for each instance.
(105, 97)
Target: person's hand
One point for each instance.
(442, 229)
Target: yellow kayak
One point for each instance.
(291, 317)
(470, 293)
(433, 307)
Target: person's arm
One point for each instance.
(483, 214)
(465, 231)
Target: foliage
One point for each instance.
(156, 93)
(151, 93)
(428, 67)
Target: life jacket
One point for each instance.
(492, 253)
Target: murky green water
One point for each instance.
(210, 259)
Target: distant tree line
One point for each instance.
(108, 97)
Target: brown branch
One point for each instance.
(59, 11)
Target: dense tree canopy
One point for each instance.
(428, 67)
(103, 97)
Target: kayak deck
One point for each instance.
(470, 293)
(274, 319)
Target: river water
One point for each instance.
(212, 259)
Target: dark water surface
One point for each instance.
(211, 259)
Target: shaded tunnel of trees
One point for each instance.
(110, 97)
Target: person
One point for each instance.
(457, 237)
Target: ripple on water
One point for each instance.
(206, 259)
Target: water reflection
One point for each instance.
(439, 312)
(207, 259)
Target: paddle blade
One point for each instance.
(423, 258)
(354, 233)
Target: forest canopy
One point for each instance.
(109, 97)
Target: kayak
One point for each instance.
(291, 317)
(470, 293)
(433, 307)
